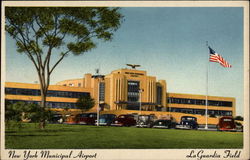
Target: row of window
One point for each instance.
(133, 91)
(199, 102)
(159, 95)
(64, 105)
(133, 107)
(133, 86)
(133, 83)
(101, 91)
(137, 107)
(201, 111)
(50, 93)
(185, 110)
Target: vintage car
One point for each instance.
(86, 118)
(188, 122)
(56, 118)
(238, 126)
(124, 120)
(106, 119)
(164, 123)
(145, 121)
(226, 123)
(70, 119)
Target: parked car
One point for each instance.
(164, 123)
(238, 126)
(70, 119)
(86, 118)
(106, 119)
(124, 120)
(145, 121)
(226, 123)
(56, 118)
(188, 122)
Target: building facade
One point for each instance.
(58, 97)
(124, 91)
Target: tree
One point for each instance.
(85, 103)
(20, 111)
(13, 111)
(42, 32)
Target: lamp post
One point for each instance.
(98, 77)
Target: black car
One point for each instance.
(164, 123)
(145, 121)
(239, 126)
(106, 119)
(56, 118)
(124, 120)
(188, 122)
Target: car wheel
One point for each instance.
(141, 124)
(217, 127)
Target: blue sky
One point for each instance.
(168, 42)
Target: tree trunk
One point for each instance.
(43, 106)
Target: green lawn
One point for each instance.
(57, 136)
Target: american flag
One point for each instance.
(215, 57)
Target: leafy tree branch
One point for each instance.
(42, 32)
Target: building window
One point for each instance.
(133, 91)
(133, 107)
(101, 91)
(61, 105)
(200, 111)
(159, 95)
(199, 102)
(50, 93)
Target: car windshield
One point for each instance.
(82, 115)
(92, 115)
(163, 122)
(107, 116)
(227, 120)
(104, 116)
(188, 118)
(143, 118)
(57, 115)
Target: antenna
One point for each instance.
(97, 71)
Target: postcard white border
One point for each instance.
(149, 154)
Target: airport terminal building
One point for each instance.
(123, 91)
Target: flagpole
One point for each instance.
(206, 112)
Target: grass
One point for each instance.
(59, 136)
